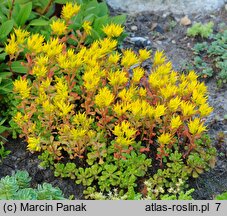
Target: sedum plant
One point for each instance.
(42, 16)
(98, 117)
(222, 196)
(17, 187)
(199, 29)
(210, 57)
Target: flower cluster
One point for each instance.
(99, 105)
(160, 108)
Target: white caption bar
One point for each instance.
(113, 208)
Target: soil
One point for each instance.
(156, 32)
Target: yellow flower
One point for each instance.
(192, 76)
(113, 30)
(125, 133)
(129, 58)
(135, 108)
(106, 46)
(21, 86)
(34, 144)
(145, 109)
(173, 77)
(32, 128)
(205, 110)
(140, 109)
(142, 92)
(198, 98)
(58, 27)
(80, 119)
(150, 112)
(87, 27)
(121, 108)
(154, 80)
(69, 10)
(187, 108)
(48, 107)
(63, 61)
(42, 96)
(18, 117)
(117, 78)
(192, 85)
(39, 71)
(144, 54)
(91, 80)
(138, 73)
(35, 43)
(124, 141)
(127, 95)
(21, 35)
(159, 111)
(78, 134)
(195, 127)
(78, 59)
(46, 83)
(164, 69)
(168, 91)
(114, 58)
(64, 108)
(91, 134)
(159, 58)
(41, 60)
(164, 138)
(104, 98)
(182, 88)
(52, 47)
(201, 88)
(12, 47)
(25, 118)
(62, 89)
(70, 53)
(175, 122)
(64, 129)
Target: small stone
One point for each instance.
(159, 29)
(134, 39)
(173, 41)
(134, 28)
(140, 41)
(185, 21)
(166, 14)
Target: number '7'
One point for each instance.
(218, 205)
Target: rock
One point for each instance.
(141, 42)
(173, 42)
(134, 39)
(173, 6)
(159, 42)
(159, 29)
(134, 28)
(185, 21)
(166, 14)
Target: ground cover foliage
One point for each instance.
(95, 115)
(17, 187)
(210, 57)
